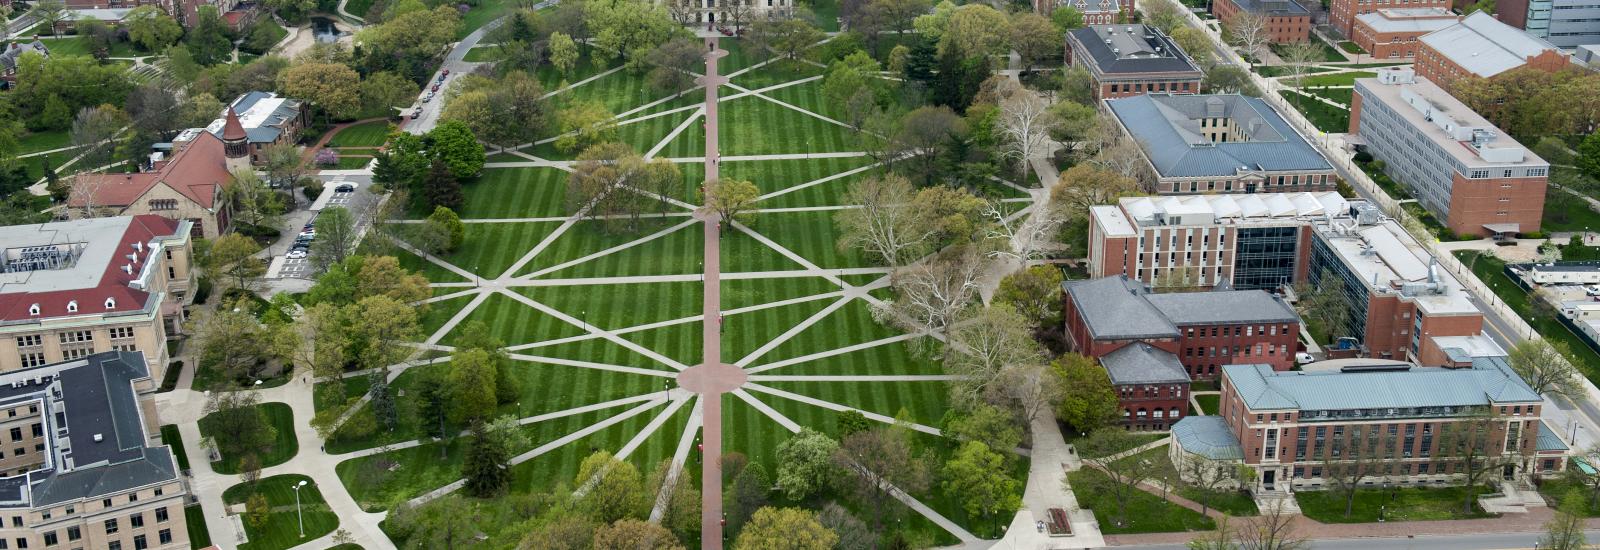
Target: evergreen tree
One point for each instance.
(747, 494)
(441, 187)
(487, 467)
(382, 401)
(432, 408)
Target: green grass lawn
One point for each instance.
(1233, 503)
(44, 141)
(1400, 504)
(1567, 213)
(1329, 53)
(1491, 271)
(282, 449)
(484, 54)
(1350, 47)
(351, 163)
(170, 436)
(358, 8)
(1271, 71)
(282, 528)
(64, 45)
(366, 134)
(195, 518)
(1209, 403)
(1146, 513)
(481, 14)
(1322, 115)
(1337, 95)
(1339, 79)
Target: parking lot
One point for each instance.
(359, 201)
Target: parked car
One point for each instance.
(428, 97)
(1592, 290)
(435, 88)
(308, 234)
(445, 73)
(416, 114)
(296, 254)
(345, 188)
(1302, 358)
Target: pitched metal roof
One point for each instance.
(1114, 308)
(1141, 363)
(1272, 7)
(1484, 45)
(1548, 440)
(1223, 307)
(1207, 436)
(1167, 128)
(1489, 381)
(1408, 19)
(1114, 49)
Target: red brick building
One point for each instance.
(1152, 386)
(1126, 60)
(1095, 12)
(1343, 14)
(1482, 46)
(1287, 21)
(1200, 330)
(1394, 33)
(1413, 425)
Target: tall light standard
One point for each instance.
(297, 515)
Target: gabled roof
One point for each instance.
(1223, 307)
(1207, 436)
(1114, 308)
(1141, 363)
(196, 171)
(1489, 381)
(1167, 128)
(95, 275)
(1484, 45)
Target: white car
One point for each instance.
(428, 97)
(1301, 358)
(296, 254)
(1592, 290)
(309, 234)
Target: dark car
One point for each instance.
(415, 114)
(344, 188)
(435, 87)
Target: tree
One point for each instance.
(453, 144)
(94, 133)
(628, 28)
(635, 534)
(208, 39)
(487, 466)
(1471, 444)
(923, 134)
(233, 256)
(789, 36)
(1206, 475)
(611, 182)
(1194, 42)
(336, 236)
(1250, 35)
(1588, 159)
(255, 205)
(443, 231)
(933, 293)
(471, 386)
(1083, 186)
(407, 41)
(855, 74)
(1221, 538)
(282, 164)
(442, 189)
(331, 87)
(1346, 463)
(853, 533)
(746, 494)
(236, 425)
(151, 29)
(1272, 529)
(1065, 19)
(387, 90)
(989, 340)
(438, 524)
(257, 510)
(1299, 57)
(1088, 400)
(1034, 38)
(1032, 388)
(1543, 364)
(673, 64)
(993, 426)
(291, 10)
(975, 30)
(877, 460)
(614, 488)
(785, 529)
(1035, 293)
(730, 198)
(888, 225)
(563, 52)
(1565, 530)
(50, 91)
(1228, 79)
(382, 401)
(584, 124)
(978, 475)
(49, 12)
(850, 421)
(1325, 300)
(804, 465)
(1025, 122)
(1107, 449)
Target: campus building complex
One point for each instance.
(189, 184)
(265, 118)
(1125, 60)
(1402, 305)
(1220, 144)
(1456, 163)
(1396, 33)
(1482, 46)
(1200, 331)
(1397, 423)
(74, 288)
(1095, 12)
(1564, 23)
(727, 13)
(80, 469)
(1287, 21)
(1245, 242)
(1344, 14)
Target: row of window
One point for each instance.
(1213, 351)
(1250, 330)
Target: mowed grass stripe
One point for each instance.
(513, 322)
(738, 293)
(743, 253)
(776, 175)
(675, 253)
(811, 235)
(620, 306)
(680, 342)
(751, 125)
(561, 464)
(598, 350)
(534, 192)
(436, 314)
(744, 333)
(923, 400)
(897, 358)
(846, 326)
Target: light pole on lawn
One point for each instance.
(298, 516)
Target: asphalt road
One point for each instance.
(456, 63)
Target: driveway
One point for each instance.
(360, 203)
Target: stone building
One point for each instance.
(1126, 60)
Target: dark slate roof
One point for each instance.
(80, 400)
(1224, 307)
(1114, 308)
(1141, 363)
(1167, 129)
(1207, 436)
(1145, 50)
(1274, 7)
(1489, 381)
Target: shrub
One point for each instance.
(169, 382)
(326, 157)
(202, 290)
(1363, 157)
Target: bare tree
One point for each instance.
(1025, 122)
(1111, 450)
(879, 461)
(1472, 444)
(989, 340)
(1272, 529)
(1299, 58)
(1023, 238)
(1543, 364)
(739, 13)
(683, 11)
(1125, 159)
(933, 293)
(84, 191)
(887, 225)
(1250, 35)
(1209, 476)
(1369, 451)
(1033, 387)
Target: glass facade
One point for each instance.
(1264, 257)
(1324, 259)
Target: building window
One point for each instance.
(75, 336)
(139, 543)
(165, 536)
(118, 333)
(111, 526)
(136, 520)
(50, 539)
(161, 515)
(73, 533)
(34, 359)
(29, 341)
(163, 204)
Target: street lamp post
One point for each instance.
(298, 516)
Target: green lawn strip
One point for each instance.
(748, 125)
(586, 66)
(1337, 79)
(1209, 403)
(623, 305)
(643, 135)
(366, 134)
(1568, 214)
(1351, 47)
(436, 314)
(514, 322)
(1339, 95)
(988, 526)
(529, 192)
(776, 175)
(738, 293)
(199, 535)
(812, 235)
(618, 91)
(898, 358)
(1146, 513)
(489, 248)
(845, 326)
(1399, 504)
(1491, 271)
(827, 14)
(743, 253)
(778, 71)
(1233, 503)
(924, 401)
(740, 55)
(64, 45)
(44, 141)
(1329, 53)
(481, 14)
(746, 332)
(543, 472)
(1556, 489)
(412, 262)
(1322, 115)
(284, 445)
(598, 350)
(689, 143)
(682, 342)
(674, 253)
(171, 437)
(483, 54)
(328, 394)
(1271, 71)
(282, 529)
